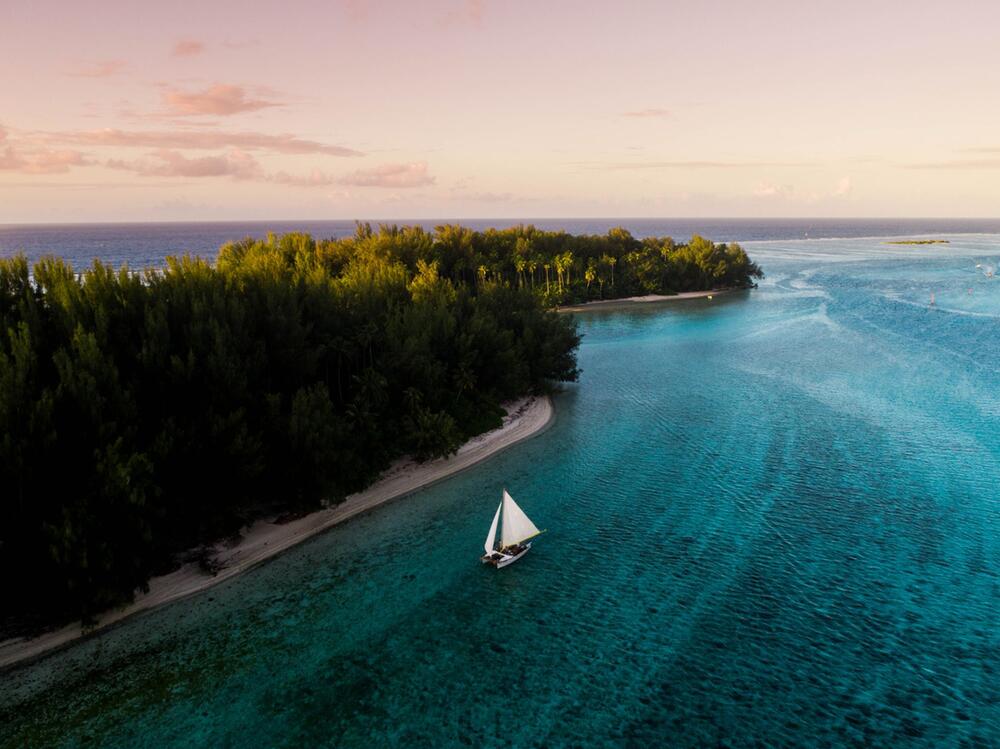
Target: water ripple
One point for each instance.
(773, 521)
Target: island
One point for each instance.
(919, 241)
(153, 420)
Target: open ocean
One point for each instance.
(148, 245)
(773, 520)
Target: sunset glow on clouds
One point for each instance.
(456, 108)
(188, 47)
(220, 99)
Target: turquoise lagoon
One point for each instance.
(773, 521)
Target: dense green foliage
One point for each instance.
(142, 415)
(563, 268)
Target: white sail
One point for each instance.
(517, 526)
(491, 537)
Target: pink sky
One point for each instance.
(128, 111)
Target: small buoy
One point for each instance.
(709, 296)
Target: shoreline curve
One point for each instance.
(526, 417)
(628, 301)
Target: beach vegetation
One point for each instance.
(146, 414)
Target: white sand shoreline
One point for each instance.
(265, 539)
(647, 299)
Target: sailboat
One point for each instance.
(516, 529)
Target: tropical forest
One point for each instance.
(146, 414)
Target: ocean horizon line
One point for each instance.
(149, 244)
(506, 219)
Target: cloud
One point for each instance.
(964, 163)
(102, 69)
(957, 164)
(211, 140)
(240, 165)
(386, 175)
(60, 185)
(770, 190)
(694, 164)
(414, 174)
(220, 99)
(3, 134)
(236, 164)
(52, 162)
(168, 158)
(41, 161)
(315, 178)
(9, 159)
(647, 113)
(187, 48)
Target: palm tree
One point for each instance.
(567, 259)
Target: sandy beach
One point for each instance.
(647, 299)
(265, 539)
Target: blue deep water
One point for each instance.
(773, 520)
(145, 245)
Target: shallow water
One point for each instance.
(773, 520)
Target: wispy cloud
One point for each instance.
(166, 163)
(219, 99)
(642, 113)
(60, 185)
(962, 163)
(315, 178)
(9, 159)
(41, 152)
(102, 69)
(693, 164)
(957, 164)
(41, 161)
(199, 140)
(187, 48)
(241, 165)
(771, 190)
(414, 174)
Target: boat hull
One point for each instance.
(505, 559)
